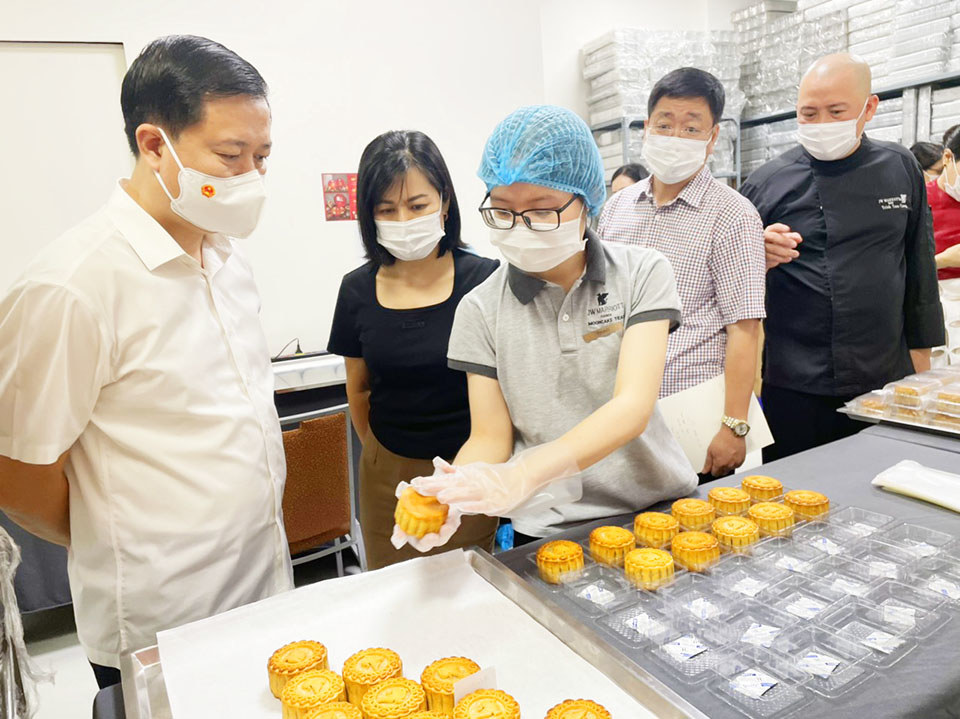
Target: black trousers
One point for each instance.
(801, 421)
(106, 676)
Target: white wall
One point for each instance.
(341, 73)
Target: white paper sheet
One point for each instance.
(423, 609)
(693, 417)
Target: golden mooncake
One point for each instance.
(558, 559)
(367, 668)
(655, 529)
(305, 692)
(773, 519)
(487, 704)
(649, 568)
(807, 504)
(609, 545)
(695, 551)
(292, 659)
(417, 515)
(429, 715)
(578, 709)
(735, 533)
(729, 500)
(395, 698)
(439, 677)
(336, 710)
(760, 488)
(693, 514)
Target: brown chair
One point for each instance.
(318, 499)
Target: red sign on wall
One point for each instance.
(340, 196)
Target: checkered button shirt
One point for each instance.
(713, 238)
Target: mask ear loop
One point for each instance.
(173, 152)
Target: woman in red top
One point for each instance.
(943, 194)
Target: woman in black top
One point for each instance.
(392, 325)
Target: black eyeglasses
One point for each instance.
(537, 220)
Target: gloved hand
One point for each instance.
(434, 539)
(498, 489)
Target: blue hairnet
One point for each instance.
(549, 146)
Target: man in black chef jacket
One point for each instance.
(852, 297)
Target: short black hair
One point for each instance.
(690, 82)
(634, 170)
(951, 140)
(173, 76)
(385, 160)
(928, 154)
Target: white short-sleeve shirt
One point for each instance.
(154, 372)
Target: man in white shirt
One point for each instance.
(137, 424)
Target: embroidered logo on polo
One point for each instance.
(894, 203)
(604, 319)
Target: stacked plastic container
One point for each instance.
(870, 29)
(761, 143)
(931, 398)
(887, 123)
(751, 24)
(622, 66)
(922, 40)
(945, 112)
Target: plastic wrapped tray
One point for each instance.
(782, 553)
(827, 537)
(802, 596)
(863, 522)
(744, 577)
(918, 541)
(883, 560)
(753, 624)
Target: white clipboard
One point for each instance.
(694, 414)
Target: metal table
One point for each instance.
(925, 684)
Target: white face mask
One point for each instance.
(953, 188)
(673, 159)
(227, 205)
(539, 251)
(830, 141)
(413, 239)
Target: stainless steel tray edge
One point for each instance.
(646, 689)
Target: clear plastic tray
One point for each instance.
(802, 596)
(914, 74)
(788, 695)
(700, 603)
(679, 651)
(813, 650)
(599, 590)
(849, 577)
(939, 582)
(924, 14)
(783, 553)
(872, 404)
(920, 542)
(883, 560)
(753, 624)
(861, 622)
(639, 625)
(947, 400)
(862, 522)
(918, 612)
(862, 23)
(743, 577)
(827, 537)
(901, 63)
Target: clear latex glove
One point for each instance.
(914, 480)
(498, 489)
(434, 539)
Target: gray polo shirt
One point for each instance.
(555, 357)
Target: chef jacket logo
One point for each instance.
(894, 203)
(602, 298)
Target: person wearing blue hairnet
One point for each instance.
(563, 346)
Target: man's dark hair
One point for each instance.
(928, 154)
(634, 170)
(383, 162)
(174, 76)
(951, 140)
(688, 82)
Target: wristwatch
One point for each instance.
(739, 427)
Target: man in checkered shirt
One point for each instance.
(713, 238)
